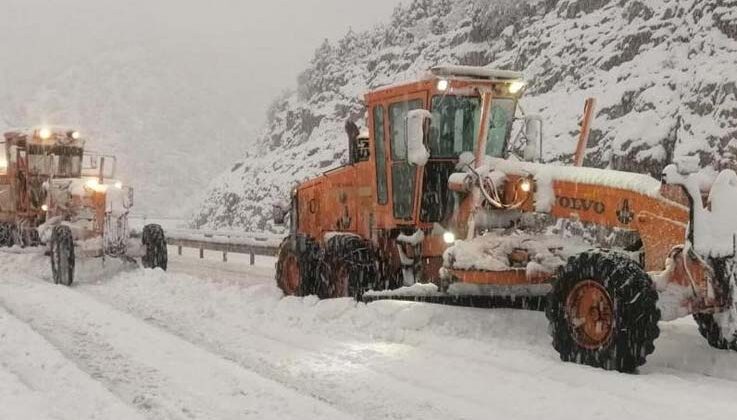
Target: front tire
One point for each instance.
(603, 312)
(154, 240)
(297, 265)
(62, 255)
(348, 268)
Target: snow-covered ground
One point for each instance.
(212, 340)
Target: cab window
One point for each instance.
(455, 124)
(398, 121)
(500, 124)
(382, 190)
(403, 173)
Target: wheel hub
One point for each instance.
(590, 314)
(342, 280)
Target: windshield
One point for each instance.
(454, 130)
(68, 166)
(59, 161)
(455, 125)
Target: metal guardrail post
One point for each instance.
(253, 257)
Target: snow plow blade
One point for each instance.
(524, 301)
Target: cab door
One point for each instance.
(21, 181)
(404, 175)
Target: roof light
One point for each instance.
(44, 133)
(443, 85)
(516, 86)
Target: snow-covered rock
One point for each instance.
(661, 70)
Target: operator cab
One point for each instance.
(472, 111)
(44, 153)
(31, 159)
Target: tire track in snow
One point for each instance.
(515, 382)
(458, 379)
(163, 376)
(335, 374)
(54, 387)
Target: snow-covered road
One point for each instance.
(212, 340)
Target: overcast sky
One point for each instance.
(266, 42)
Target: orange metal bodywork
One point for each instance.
(15, 180)
(346, 199)
(512, 277)
(660, 222)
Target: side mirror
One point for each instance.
(351, 129)
(279, 213)
(417, 153)
(534, 136)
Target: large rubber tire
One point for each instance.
(720, 330)
(348, 268)
(710, 329)
(6, 235)
(617, 329)
(296, 268)
(154, 241)
(62, 255)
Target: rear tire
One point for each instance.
(6, 235)
(296, 268)
(348, 268)
(603, 312)
(154, 240)
(62, 255)
(712, 331)
(720, 329)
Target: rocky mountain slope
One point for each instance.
(661, 70)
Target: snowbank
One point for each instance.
(491, 252)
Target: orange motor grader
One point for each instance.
(56, 194)
(434, 202)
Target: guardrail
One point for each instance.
(226, 242)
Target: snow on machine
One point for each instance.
(443, 199)
(53, 193)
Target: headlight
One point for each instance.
(95, 185)
(118, 185)
(443, 85)
(516, 86)
(44, 133)
(44, 208)
(525, 185)
(449, 238)
(74, 135)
